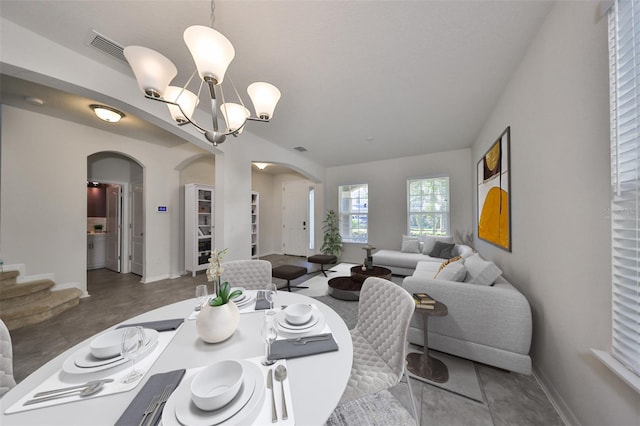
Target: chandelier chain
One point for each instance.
(213, 12)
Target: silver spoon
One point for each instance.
(88, 391)
(281, 375)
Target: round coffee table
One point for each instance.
(357, 274)
(348, 288)
(423, 365)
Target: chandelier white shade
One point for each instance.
(264, 96)
(186, 100)
(235, 115)
(212, 53)
(153, 70)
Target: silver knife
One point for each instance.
(274, 414)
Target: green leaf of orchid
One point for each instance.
(224, 291)
(235, 293)
(217, 301)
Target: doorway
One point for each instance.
(295, 218)
(120, 245)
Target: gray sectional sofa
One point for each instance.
(404, 263)
(488, 319)
(486, 322)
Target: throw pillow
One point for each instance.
(455, 271)
(410, 246)
(446, 262)
(481, 271)
(429, 241)
(442, 250)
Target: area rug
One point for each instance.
(379, 409)
(463, 379)
(318, 283)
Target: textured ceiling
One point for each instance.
(360, 80)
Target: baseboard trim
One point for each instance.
(154, 279)
(563, 410)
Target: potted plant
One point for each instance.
(332, 243)
(218, 319)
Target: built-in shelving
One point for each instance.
(199, 227)
(255, 206)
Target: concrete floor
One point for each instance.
(509, 398)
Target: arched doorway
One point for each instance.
(117, 179)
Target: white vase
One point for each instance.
(217, 323)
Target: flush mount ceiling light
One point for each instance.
(261, 166)
(106, 113)
(212, 53)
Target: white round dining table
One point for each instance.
(316, 382)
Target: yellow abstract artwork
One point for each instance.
(494, 215)
(494, 224)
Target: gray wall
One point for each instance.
(557, 106)
(387, 182)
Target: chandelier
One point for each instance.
(212, 53)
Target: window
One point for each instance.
(428, 206)
(624, 54)
(354, 211)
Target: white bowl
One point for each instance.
(297, 314)
(216, 385)
(107, 345)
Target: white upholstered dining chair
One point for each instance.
(379, 339)
(6, 360)
(250, 274)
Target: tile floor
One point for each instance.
(509, 398)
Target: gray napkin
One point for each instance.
(286, 348)
(154, 387)
(162, 325)
(261, 301)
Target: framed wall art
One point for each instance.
(494, 193)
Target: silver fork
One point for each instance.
(163, 398)
(149, 409)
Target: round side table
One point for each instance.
(423, 365)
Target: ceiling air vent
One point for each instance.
(107, 46)
(300, 148)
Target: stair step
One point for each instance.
(25, 289)
(38, 292)
(41, 310)
(8, 278)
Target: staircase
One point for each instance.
(32, 302)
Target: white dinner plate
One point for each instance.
(82, 362)
(246, 302)
(282, 321)
(179, 409)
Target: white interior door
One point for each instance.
(137, 229)
(114, 227)
(295, 217)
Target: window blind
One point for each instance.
(624, 61)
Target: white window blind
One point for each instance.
(428, 206)
(354, 212)
(624, 60)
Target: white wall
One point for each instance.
(557, 106)
(44, 207)
(387, 182)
